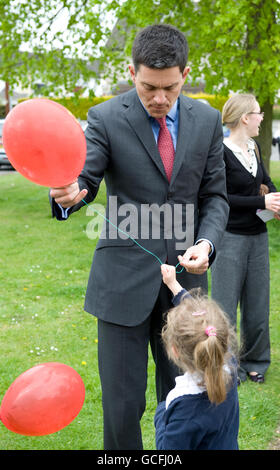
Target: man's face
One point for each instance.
(158, 89)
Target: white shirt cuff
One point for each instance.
(208, 241)
(64, 212)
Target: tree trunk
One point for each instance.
(8, 99)
(265, 136)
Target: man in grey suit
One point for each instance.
(125, 289)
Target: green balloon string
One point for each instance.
(133, 239)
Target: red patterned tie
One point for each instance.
(165, 147)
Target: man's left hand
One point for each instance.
(196, 259)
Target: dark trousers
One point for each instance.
(123, 360)
(240, 275)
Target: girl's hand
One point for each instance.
(168, 273)
(169, 278)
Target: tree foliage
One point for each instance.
(234, 44)
(36, 46)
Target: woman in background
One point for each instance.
(240, 273)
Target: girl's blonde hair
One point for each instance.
(235, 107)
(188, 345)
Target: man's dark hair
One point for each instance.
(160, 46)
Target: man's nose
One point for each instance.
(160, 97)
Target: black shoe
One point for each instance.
(258, 378)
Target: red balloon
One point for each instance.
(43, 400)
(44, 142)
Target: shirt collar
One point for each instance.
(187, 384)
(235, 148)
(191, 383)
(172, 114)
(173, 111)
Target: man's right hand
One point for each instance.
(69, 195)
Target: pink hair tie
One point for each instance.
(210, 331)
(197, 314)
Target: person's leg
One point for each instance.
(166, 371)
(228, 275)
(122, 356)
(254, 306)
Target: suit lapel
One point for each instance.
(139, 121)
(185, 135)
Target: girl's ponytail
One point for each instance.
(209, 358)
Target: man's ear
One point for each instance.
(186, 72)
(132, 72)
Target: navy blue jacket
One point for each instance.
(191, 422)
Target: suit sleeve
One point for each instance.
(95, 165)
(213, 201)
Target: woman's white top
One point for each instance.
(248, 160)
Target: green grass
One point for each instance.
(44, 267)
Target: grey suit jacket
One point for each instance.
(124, 281)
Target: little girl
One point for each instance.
(202, 410)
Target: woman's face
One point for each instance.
(253, 121)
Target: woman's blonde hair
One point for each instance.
(235, 107)
(193, 348)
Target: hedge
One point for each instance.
(216, 101)
(79, 107)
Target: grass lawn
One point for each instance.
(44, 267)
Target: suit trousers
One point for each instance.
(123, 363)
(240, 275)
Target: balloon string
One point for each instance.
(133, 239)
